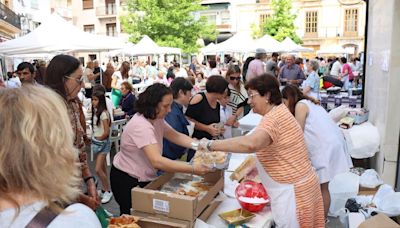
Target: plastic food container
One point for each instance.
(252, 196)
(237, 217)
(214, 162)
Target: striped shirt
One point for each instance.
(236, 97)
(286, 161)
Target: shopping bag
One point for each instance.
(102, 216)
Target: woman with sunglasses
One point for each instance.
(238, 92)
(64, 76)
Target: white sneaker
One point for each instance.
(100, 193)
(106, 197)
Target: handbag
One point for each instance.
(42, 219)
(102, 216)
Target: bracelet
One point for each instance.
(195, 145)
(88, 178)
(209, 144)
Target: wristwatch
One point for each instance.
(209, 144)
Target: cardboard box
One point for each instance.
(150, 200)
(147, 220)
(379, 220)
(367, 191)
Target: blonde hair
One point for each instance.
(37, 156)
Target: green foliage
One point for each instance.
(281, 23)
(256, 31)
(170, 23)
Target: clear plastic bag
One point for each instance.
(370, 179)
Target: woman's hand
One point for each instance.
(90, 201)
(231, 120)
(200, 169)
(204, 144)
(213, 130)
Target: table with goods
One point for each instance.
(225, 198)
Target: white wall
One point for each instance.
(382, 87)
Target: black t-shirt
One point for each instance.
(97, 70)
(205, 114)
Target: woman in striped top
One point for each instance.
(283, 163)
(238, 92)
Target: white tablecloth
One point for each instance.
(263, 218)
(249, 121)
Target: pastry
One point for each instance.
(123, 221)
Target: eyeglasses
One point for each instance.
(252, 95)
(80, 80)
(234, 78)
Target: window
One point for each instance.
(311, 21)
(88, 28)
(87, 4)
(264, 17)
(225, 18)
(111, 29)
(350, 21)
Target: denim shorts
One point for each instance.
(98, 146)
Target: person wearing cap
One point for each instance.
(272, 65)
(257, 66)
(26, 73)
(291, 73)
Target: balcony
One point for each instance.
(106, 11)
(8, 16)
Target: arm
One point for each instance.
(106, 132)
(114, 83)
(211, 129)
(159, 162)
(243, 144)
(301, 112)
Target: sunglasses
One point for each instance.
(234, 78)
(79, 81)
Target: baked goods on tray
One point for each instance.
(215, 159)
(124, 221)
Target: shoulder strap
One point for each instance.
(42, 219)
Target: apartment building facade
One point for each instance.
(10, 21)
(319, 23)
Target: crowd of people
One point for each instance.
(182, 110)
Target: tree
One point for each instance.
(281, 23)
(174, 23)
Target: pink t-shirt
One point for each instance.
(256, 68)
(347, 67)
(138, 133)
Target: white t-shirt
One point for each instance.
(76, 215)
(336, 68)
(98, 130)
(225, 113)
(118, 76)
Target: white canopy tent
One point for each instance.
(290, 46)
(334, 50)
(238, 43)
(269, 44)
(56, 35)
(146, 46)
(205, 50)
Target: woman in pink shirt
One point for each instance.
(347, 75)
(140, 156)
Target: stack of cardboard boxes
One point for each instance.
(168, 210)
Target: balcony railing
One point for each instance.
(9, 16)
(107, 10)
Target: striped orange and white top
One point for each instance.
(286, 161)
